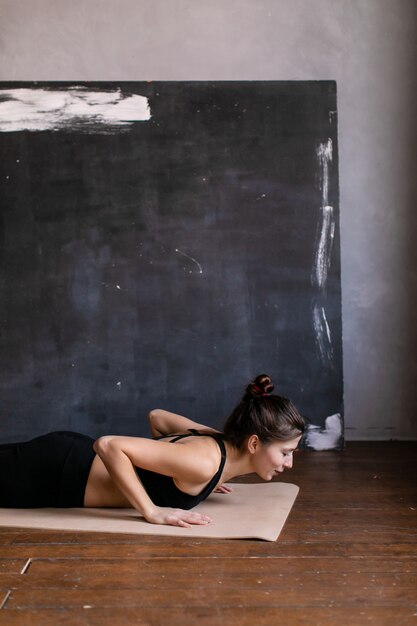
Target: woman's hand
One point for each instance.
(176, 517)
(223, 489)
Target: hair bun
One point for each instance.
(260, 386)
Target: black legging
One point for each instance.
(50, 470)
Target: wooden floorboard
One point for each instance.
(347, 556)
(231, 616)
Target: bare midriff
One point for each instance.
(100, 490)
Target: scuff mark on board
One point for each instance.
(200, 269)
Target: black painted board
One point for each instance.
(165, 262)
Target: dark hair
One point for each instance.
(270, 417)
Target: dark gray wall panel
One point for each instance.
(165, 262)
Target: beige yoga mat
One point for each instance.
(251, 511)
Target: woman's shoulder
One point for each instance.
(202, 445)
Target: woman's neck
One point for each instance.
(237, 463)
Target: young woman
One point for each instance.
(164, 477)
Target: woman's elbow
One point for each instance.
(154, 418)
(103, 445)
(153, 414)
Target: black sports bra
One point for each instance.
(163, 491)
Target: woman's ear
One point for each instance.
(253, 444)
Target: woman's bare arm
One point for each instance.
(166, 423)
(121, 454)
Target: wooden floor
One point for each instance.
(347, 556)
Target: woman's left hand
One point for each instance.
(223, 489)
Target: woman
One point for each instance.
(160, 480)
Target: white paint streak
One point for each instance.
(191, 259)
(326, 438)
(324, 247)
(322, 254)
(325, 156)
(74, 108)
(323, 336)
(326, 226)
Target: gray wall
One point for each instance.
(368, 46)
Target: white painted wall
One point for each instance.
(368, 46)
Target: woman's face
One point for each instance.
(270, 459)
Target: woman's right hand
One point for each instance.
(176, 517)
